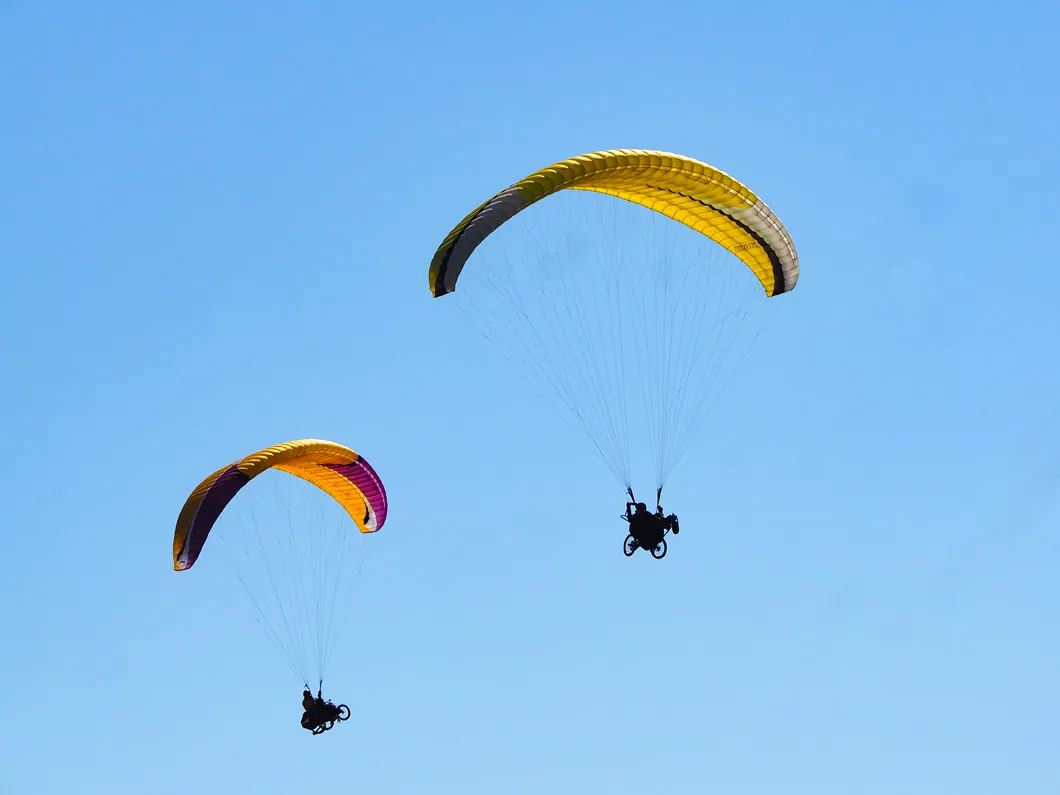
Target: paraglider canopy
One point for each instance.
(690, 192)
(337, 470)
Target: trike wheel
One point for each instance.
(630, 546)
(344, 712)
(659, 551)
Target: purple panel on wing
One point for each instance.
(364, 478)
(213, 502)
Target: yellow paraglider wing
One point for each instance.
(688, 191)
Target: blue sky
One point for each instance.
(215, 228)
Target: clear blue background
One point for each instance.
(215, 228)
